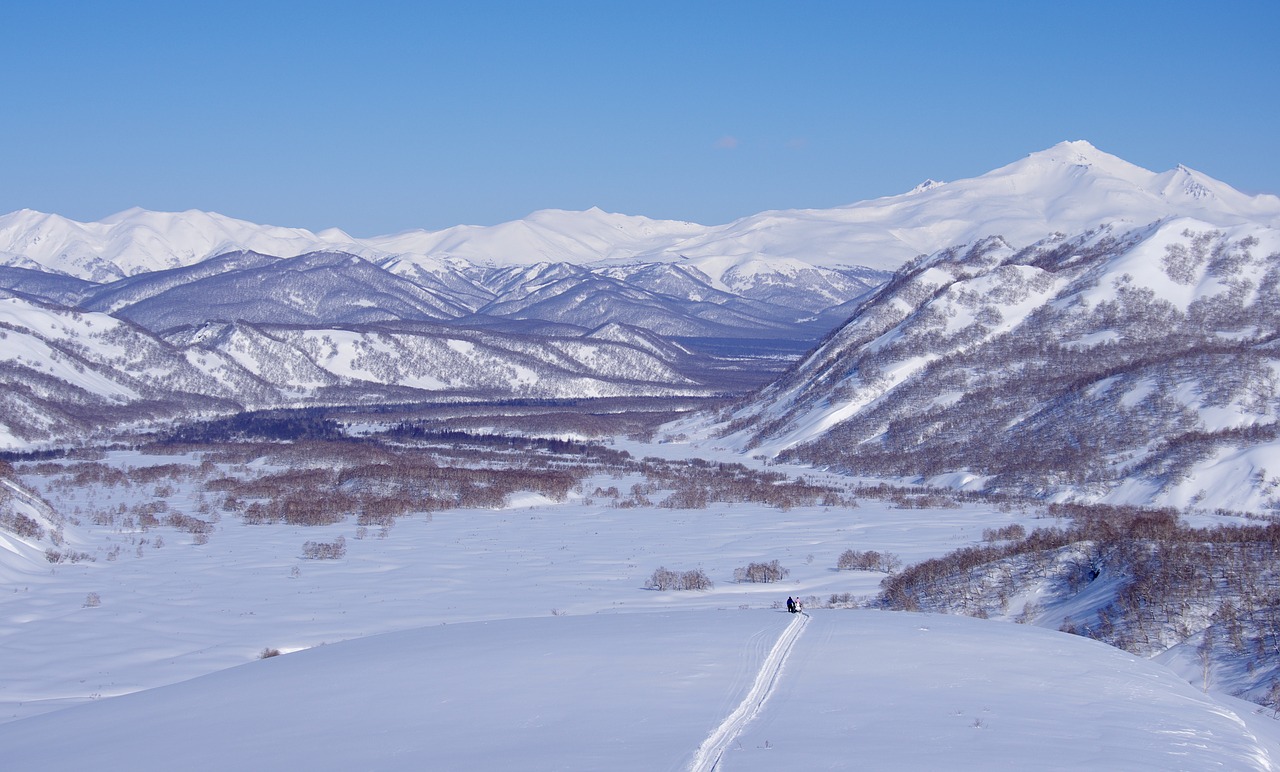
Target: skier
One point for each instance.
(791, 605)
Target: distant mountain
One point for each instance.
(1131, 366)
(69, 374)
(137, 241)
(547, 236)
(66, 373)
(55, 288)
(1068, 188)
(315, 288)
(559, 303)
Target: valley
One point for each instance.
(1023, 423)
(151, 573)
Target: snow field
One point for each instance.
(180, 610)
(859, 690)
(881, 690)
(523, 638)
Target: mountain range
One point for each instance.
(1113, 327)
(1068, 188)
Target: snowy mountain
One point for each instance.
(1132, 366)
(68, 374)
(315, 288)
(1068, 188)
(547, 236)
(738, 300)
(137, 241)
(1068, 327)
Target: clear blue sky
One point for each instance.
(378, 117)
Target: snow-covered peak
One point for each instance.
(1074, 158)
(138, 241)
(1079, 152)
(1070, 187)
(125, 215)
(547, 235)
(928, 184)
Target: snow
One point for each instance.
(523, 638)
(1070, 187)
(753, 690)
(1218, 482)
(928, 692)
(19, 318)
(461, 346)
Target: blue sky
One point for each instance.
(378, 117)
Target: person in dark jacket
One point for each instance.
(791, 605)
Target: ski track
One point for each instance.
(708, 756)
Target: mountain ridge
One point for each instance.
(1086, 188)
(1123, 366)
(591, 303)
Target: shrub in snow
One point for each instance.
(319, 550)
(871, 560)
(20, 524)
(1007, 533)
(70, 556)
(1273, 699)
(192, 525)
(665, 579)
(761, 572)
(1163, 584)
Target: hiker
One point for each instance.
(791, 605)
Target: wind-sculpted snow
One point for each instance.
(1126, 366)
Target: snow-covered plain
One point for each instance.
(523, 638)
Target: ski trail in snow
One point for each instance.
(708, 755)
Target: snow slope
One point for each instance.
(652, 692)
